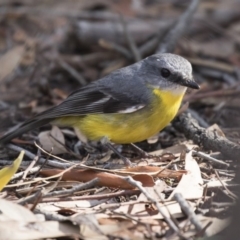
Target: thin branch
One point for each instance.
(73, 72)
(130, 41)
(116, 47)
(94, 197)
(74, 189)
(41, 160)
(209, 158)
(171, 224)
(169, 42)
(188, 211)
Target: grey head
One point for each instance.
(168, 71)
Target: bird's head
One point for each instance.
(169, 72)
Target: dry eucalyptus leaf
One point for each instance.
(14, 212)
(10, 60)
(191, 184)
(53, 141)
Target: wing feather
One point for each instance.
(92, 100)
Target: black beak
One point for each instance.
(189, 83)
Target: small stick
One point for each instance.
(41, 160)
(231, 194)
(211, 159)
(30, 198)
(188, 211)
(74, 73)
(93, 197)
(169, 42)
(31, 165)
(20, 174)
(74, 189)
(130, 41)
(116, 47)
(171, 224)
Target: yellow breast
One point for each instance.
(130, 127)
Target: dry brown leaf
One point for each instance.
(53, 141)
(105, 179)
(10, 60)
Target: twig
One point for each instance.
(130, 41)
(31, 165)
(75, 74)
(94, 197)
(74, 189)
(171, 224)
(30, 198)
(41, 160)
(42, 179)
(226, 174)
(188, 211)
(116, 47)
(231, 194)
(210, 140)
(148, 47)
(220, 66)
(20, 174)
(169, 42)
(209, 158)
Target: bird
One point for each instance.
(129, 105)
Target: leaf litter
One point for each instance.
(181, 188)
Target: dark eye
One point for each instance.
(165, 73)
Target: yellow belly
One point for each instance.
(129, 127)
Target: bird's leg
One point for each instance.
(142, 152)
(126, 161)
(105, 141)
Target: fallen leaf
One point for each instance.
(7, 172)
(10, 60)
(105, 179)
(53, 141)
(19, 223)
(191, 183)
(15, 212)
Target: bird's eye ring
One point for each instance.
(165, 73)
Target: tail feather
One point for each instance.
(25, 127)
